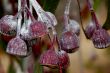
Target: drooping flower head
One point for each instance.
(101, 38)
(8, 25)
(69, 42)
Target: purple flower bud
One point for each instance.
(90, 30)
(69, 42)
(8, 25)
(49, 59)
(101, 38)
(38, 29)
(74, 26)
(17, 46)
(63, 59)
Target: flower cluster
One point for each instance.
(27, 31)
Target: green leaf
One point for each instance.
(50, 5)
(107, 23)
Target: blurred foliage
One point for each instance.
(1, 9)
(50, 5)
(19, 61)
(38, 68)
(107, 23)
(11, 69)
(107, 53)
(2, 43)
(96, 4)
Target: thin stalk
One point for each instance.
(23, 3)
(66, 14)
(30, 7)
(25, 17)
(31, 11)
(36, 5)
(25, 7)
(18, 14)
(80, 16)
(94, 18)
(49, 36)
(67, 8)
(19, 18)
(30, 14)
(79, 52)
(40, 12)
(37, 8)
(55, 34)
(56, 38)
(19, 5)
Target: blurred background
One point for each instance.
(94, 60)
